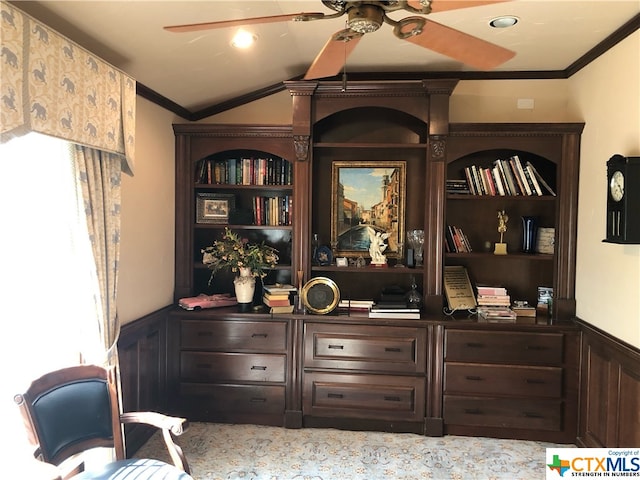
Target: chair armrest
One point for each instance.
(169, 426)
(176, 425)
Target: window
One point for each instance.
(48, 280)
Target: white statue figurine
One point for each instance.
(377, 246)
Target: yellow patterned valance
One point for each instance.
(53, 86)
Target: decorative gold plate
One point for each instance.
(320, 295)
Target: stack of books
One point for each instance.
(277, 298)
(494, 304)
(492, 296)
(346, 306)
(382, 311)
(457, 186)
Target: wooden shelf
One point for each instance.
(509, 256)
(369, 270)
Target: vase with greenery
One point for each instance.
(247, 260)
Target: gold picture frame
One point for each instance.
(367, 197)
(214, 207)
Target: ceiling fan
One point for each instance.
(368, 16)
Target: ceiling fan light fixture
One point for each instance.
(365, 18)
(243, 39)
(504, 21)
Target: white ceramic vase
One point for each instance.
(245, 285)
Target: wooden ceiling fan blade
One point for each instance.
(244, 22)
(444, 5)
(333, 55)
(461, 46)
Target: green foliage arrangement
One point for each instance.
(234, 253)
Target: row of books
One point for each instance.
(244, 171)
(506, 177)
(273, 211)
(456, 241)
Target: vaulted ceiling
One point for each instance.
(197, 74)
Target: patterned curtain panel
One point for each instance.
(53, 86)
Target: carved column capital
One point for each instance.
(301, 146)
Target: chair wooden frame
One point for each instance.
(47, 394)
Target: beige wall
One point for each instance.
(608, 276)
(145, 281)
(607, 94)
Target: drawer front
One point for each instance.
(384, 397)
(253, 399)
(229, 367)
(373, 348)
(527, 348)
(232, 335)
(503, 380)
(502, 413)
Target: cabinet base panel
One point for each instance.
(293, 419)
(568, 438)
(363, 425)
(433, 427)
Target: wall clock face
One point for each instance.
(616, 186)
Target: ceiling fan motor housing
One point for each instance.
(365, 18)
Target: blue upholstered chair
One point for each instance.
(69, 411)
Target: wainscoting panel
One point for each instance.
(143, 353)
(610, 391)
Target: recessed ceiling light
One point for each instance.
(243, 39)
(505, 21)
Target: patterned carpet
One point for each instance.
(249, 452)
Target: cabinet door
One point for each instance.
(385, 397)
(525, 348)
(359, 347)
(503, 412)
(524, 381)
(231, 367)
(233, 335)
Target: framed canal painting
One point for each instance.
(368, 200)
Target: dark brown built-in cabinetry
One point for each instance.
(434, 375)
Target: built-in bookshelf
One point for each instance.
(244, 176)
(526, 171)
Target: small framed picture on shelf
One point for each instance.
(367, 201)
(214, 207)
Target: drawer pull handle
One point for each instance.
(389, 398)
(258, 400)
(205, 334)
(532, 415)
(335, 395)
(259, 335)
(473, 411)
(392, 349)
(537, 348)
(204, 365)
(475, 378)
(258, 367)
(475, 345)
(535, 381)
(336, 347)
